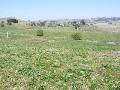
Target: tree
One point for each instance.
(33, 24)
(83, 22)
(74, 23)
(10, 21)
(2, 24)
(43, 23)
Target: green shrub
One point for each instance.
(40, 32)
(76, 36)
(2, 24)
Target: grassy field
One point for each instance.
(57, 62)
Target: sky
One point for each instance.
(59, 9)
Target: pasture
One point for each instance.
(57, 62)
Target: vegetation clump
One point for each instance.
(10, 21)
(76, 36)
(2, 24)
(40, 32)
(83, 22)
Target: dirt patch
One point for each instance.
(4, 38)
(107, 72)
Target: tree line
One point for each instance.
(9, 22)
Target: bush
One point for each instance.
(2, 24)
(76, 36)
(83, 22)
(40, 32)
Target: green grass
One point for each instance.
(57, 62)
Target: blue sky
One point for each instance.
(59, 9)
